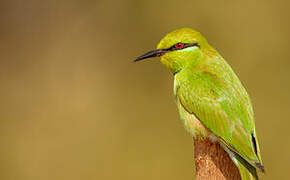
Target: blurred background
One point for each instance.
(74, 105)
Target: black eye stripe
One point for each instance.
(185, 45)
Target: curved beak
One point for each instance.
(150, 54)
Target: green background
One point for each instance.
(74, 106)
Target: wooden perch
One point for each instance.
(212, 162)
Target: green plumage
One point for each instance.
(211, 99)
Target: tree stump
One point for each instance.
(212, 162)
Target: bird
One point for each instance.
(211, 100)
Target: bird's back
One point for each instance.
(212, 96)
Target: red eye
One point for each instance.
(179, 45)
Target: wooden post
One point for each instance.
(212, 162)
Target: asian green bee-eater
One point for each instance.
(211, 100)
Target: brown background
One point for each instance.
(74, 106)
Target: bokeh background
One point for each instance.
(74, 106)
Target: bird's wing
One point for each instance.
(224, 108)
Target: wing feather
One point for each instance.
(223, 106)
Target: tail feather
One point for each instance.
(247, 171)
(245, 174)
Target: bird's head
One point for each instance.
(178, 49)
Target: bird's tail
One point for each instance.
(247, 171)
(245, 174)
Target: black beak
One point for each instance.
(150, 54)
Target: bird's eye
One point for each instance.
(179, 45)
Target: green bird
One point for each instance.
(211, 100)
